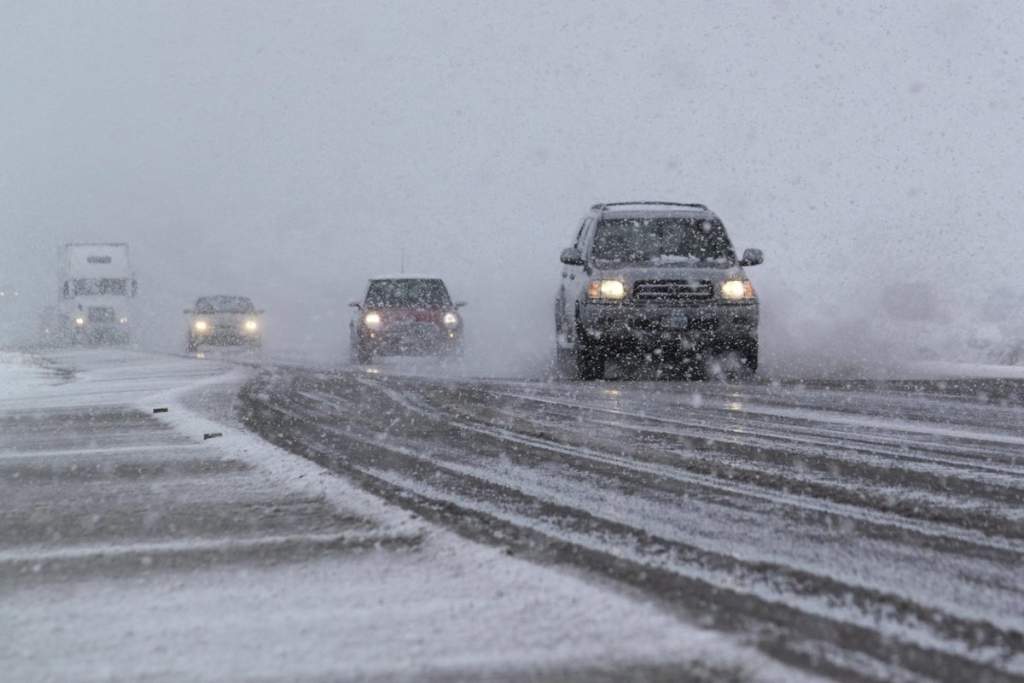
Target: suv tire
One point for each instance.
(565, 363)
(748, 351)
(360, 354)
(589, 360)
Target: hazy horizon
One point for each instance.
(289, 153)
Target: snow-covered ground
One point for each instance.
(134, 549)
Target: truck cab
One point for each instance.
(96, 290)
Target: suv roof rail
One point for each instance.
(602, 207)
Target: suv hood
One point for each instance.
(634, 273)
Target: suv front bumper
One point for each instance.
(625, 325)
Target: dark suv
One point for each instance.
(405, 315)
(654, 277)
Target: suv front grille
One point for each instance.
(673, 290)
(101, 315)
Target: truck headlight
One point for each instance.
(736, 290)
(372, 320)
(612, 290)
(450, 319)
(201, 326)
(79, 321)
(251, 326)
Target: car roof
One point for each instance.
(405, 276)
(645, 209)
(695, 214)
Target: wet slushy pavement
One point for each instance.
(134, 547)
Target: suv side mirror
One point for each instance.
(355, 304)
(460, 304)
(752, 257)
(572, 257)
(188, 311)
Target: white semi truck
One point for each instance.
(97, 286)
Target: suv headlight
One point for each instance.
(372, 320)
(450, 319)
(201, 326)
(251, 326)
(737, 290)
(608, 290)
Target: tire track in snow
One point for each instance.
(464, 484)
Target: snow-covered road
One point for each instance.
(133, 548)
(865, 530)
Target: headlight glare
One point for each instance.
(450, 319)
(372, 320)
(79, 321)
(612, 290)
(251, 326)
(735, 290)
(201, 326)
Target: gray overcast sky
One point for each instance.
(289, 149)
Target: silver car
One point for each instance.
(224, 321)
(657, 278)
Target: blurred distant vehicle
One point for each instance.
(48, 327)
(657, 278)
(224, 321)
(11, 315)
(405, 315)
(97, 286)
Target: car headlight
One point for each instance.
(450, 319)
(201, 326)
(611, 290)
(124, 321)
(736, 290)
(251, 326)
(79, 321)
(372, 320)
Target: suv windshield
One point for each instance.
(407, 294)
(224, 304)
(662, 240)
